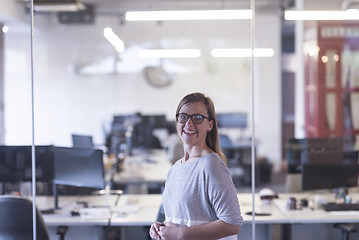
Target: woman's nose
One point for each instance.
(189, 122)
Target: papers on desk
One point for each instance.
(95, 213)
(124, 209)
(105, 213)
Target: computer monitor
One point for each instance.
(78, 167)
(232, 120)
(313, 150)
(316, 177)
(143, 137)
(154, 121)
(82, 141)
(16, 163)
(325, 165)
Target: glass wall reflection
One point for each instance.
(15, 97)
(86, 87)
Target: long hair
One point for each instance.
(212, 138)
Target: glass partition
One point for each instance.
(15, 98)
(301, 82)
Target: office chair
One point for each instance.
(346, 229)
(226, 144)
(16, 220)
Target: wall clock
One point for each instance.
(157, 76)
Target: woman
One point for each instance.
(199, 200)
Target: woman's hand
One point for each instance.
(154, 230)
(170, 231)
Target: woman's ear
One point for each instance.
(210, 126)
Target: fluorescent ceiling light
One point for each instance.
(351, 14)
(188, 15)
(5, 29)
(114, 39)
(169, 53)
(59, 7)
(242, 52)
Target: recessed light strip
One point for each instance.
(351, 14)
(241, 52)
(188, 15)
(59, 7)
(169, 53)
(114, 39)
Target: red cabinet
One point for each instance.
(331, 54)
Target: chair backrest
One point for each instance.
(16, 221)
(224, 141)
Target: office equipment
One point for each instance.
(143, 136)
(78, 167)
(16, 219)
(15, 163)
(345, 229)
(82, 141)
(232, 120)
(322, 150)
(322, 163)
(329, 176)
(307, 150)
(341, 207)
(121, 132)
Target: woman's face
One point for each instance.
(190, 133)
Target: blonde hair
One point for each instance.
(212, 138)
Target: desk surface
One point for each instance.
(317, 215)
(136, 210)
(142, 210)
(144, 168)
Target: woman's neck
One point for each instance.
(193, 152)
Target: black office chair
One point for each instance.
(226, 145)
(346, 229)
(16, 220)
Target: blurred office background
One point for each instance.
(82, 84)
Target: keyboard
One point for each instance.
(341, 207)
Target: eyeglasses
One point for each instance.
(196, 118)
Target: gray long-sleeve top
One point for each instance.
(200, 192)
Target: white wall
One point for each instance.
(66, 102)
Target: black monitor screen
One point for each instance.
(329, 176)
(314, 151)
(154, 121)
(322, 150)
(143, 132)
(232, 120)
(79, 167)
(82, 141)
(16, 163)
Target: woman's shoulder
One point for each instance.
(211, 160)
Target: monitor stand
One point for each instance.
(56, 207)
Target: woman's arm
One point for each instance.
(213, 230)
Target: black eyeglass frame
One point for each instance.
(191, 117)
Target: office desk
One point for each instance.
(143, 169)
(144, 213)
(315, 224)
(318, 215)
(290, 224)
(139, 221)
(138, 212)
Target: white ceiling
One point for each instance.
(118, 6)
(124, 5)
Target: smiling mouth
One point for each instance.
(189, 132)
